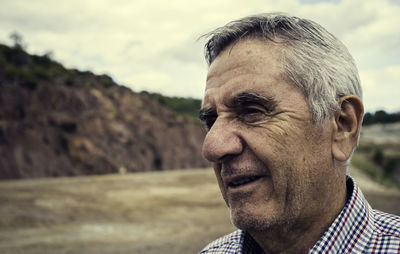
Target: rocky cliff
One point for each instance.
(60, 122)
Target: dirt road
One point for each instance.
(163, 212)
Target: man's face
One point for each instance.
(272, 163)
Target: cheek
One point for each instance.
(276, 141)
(217, 171)
(286, 152)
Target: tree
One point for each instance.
(17, 39)
(368, 119)
(381, 116)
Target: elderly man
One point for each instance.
(283, 110)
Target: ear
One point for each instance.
(347, 125)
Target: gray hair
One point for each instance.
(313, 59)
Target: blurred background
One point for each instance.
(99, 137)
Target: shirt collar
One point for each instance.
(352, 229)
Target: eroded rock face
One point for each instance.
(79, 126)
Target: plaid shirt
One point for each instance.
(357, 229)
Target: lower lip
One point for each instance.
(247, 186)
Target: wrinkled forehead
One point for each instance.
(244, 66)
(248, 55)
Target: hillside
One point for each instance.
(62, 122)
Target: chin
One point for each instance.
(250, 220)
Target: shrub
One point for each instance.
(41, 72)
(106, 81)
(389, 166)
(378, 157)
(186, 106)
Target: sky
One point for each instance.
(153, 44)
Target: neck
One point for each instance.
(301, 235)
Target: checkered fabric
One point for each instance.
(357, 229)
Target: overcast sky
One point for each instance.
(151, 44)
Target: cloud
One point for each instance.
(381, 88)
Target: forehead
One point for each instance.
(244, 53)
(251, 65)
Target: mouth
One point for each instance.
(240, 181)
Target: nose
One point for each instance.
(221, 141)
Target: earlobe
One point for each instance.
(347, 123)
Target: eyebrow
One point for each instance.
(245, 98)
(238, 100)
(204, 113)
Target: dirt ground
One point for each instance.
(162, 212)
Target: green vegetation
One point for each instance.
(186, 106)
(381, 116)
(20, 68)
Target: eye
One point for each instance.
(252, 110)
(208, 117)
(209, 121)
(252, 114)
